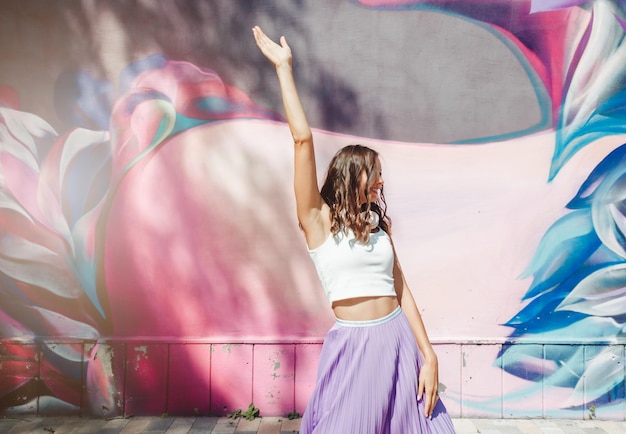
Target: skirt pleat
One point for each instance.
(367, 382)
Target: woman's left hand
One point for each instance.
(428, 386)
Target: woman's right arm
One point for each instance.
(309, 202)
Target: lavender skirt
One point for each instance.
(367, 382)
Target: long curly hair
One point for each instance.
(342, 191)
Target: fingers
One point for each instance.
(429, 393)
(262, 40)
(426, 394)
(431, 402)
(428, 405)
(420, 387)
(260, 37)
(257, 32)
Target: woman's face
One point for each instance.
(377, 184)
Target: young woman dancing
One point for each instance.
(377, 372)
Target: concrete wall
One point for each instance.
(150, 259)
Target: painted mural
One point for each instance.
(146, 198)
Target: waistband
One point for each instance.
(371, 322)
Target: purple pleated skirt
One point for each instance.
(367, 382)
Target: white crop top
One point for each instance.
(348, 269)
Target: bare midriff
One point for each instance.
(364, 308)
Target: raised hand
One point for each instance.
(279, 55)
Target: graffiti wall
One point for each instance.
(150, 258)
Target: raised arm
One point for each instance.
(429, 374)
(309, 203)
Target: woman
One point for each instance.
(378, 372)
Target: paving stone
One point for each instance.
(49, 423)
(114, 426)
(159, 425)
(181, 425)
(68, 426)
(89, 426)
(486, 426)
(508, 429)
(46, 425)
(614, 427)
(203, 425)
(573, 427)
(528, 426)
(290, 426)
(464, 426)
(246, 425)
(270, 425)
(25, 425)
(117, 422)
(552, 430)
(7, 425)
(225, 426)
(136, 425)
(280, 425)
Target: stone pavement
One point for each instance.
(275, 425)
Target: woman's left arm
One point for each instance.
(429, 374)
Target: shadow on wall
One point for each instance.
(416, 76)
